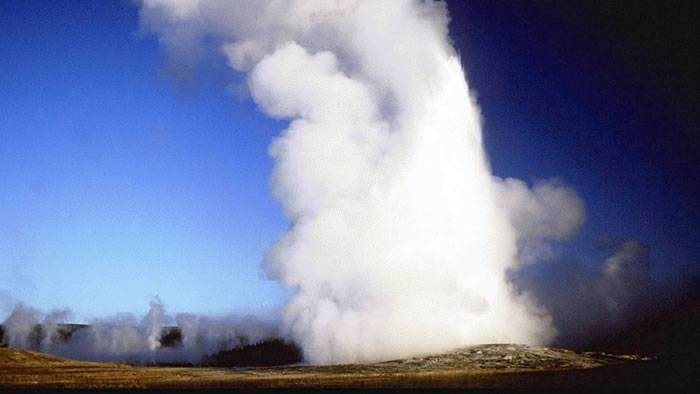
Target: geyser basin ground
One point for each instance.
(484, 366)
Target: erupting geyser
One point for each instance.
(401, 237)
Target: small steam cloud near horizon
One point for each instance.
(127, 339)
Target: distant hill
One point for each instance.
(268, 353)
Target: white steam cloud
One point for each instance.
(401, 238)
(548, 212)
(126, 339)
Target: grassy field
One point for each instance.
(27, 369)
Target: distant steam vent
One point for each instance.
(269, 352)
(57, 334)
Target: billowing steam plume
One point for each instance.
(401, 238)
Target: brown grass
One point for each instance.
(26, 369)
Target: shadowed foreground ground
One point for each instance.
(486, 366)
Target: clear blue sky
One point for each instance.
(118, 183)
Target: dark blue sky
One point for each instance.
(118, 183)
(604, 97)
